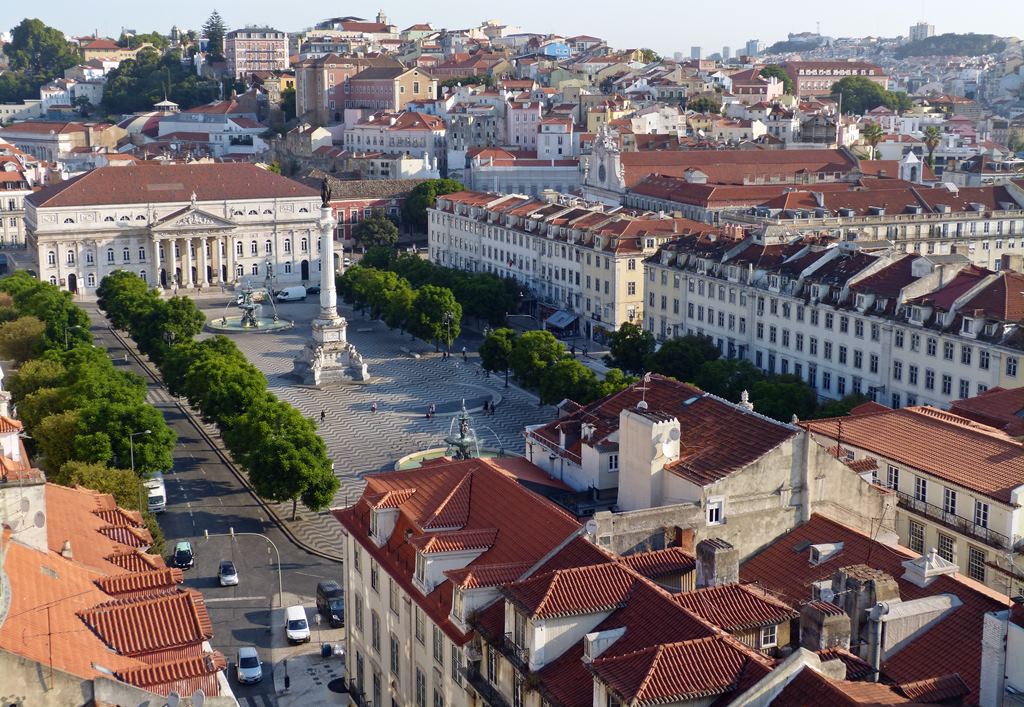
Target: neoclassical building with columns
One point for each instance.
(176, 225)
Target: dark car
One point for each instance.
(183, 556)
(313, 290)
(330, 601)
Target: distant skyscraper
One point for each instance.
(754, 47)
(695, 52)
(922, 30)
(726, 53)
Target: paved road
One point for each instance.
(203, 494)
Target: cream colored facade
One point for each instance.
(396, 655)
(555, 247)
(177, 244)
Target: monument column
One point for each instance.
(186, 270)
(328, 287)
(204, 261)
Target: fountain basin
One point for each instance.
(233, 324)
(416, 459)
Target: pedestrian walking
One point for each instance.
(486, 405)
(323, 416)
(572, 350)
(373, 406)
(464, 354)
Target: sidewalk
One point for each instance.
(310, 676)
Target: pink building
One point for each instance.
(523, 121)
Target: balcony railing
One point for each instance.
(960, 524)
(488, 693)
(519, 655)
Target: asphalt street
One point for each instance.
(204, 495)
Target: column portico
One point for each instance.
(203, 262)
(186, 271)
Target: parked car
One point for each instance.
(183, 556)
(313, 290)
(330, 601)
(292, 294)
(227, 574)
(248, 665)
(296, 627)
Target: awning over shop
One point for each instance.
(561, 319)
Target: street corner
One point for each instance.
(311, 678)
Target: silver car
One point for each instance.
(227, 574)
(248, 665)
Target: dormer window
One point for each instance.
(967, 327)
(374, 524)
(458, 602)
(916, 314)
(421, 567)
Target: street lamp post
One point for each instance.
(131, 455)
(448, 316)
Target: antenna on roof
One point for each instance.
(642, 405)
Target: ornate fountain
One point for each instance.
(463, 442)
(250, 300)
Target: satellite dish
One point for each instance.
(591, 527)
(198, 698)
(40, 519)
(173, 699)
(673, 434)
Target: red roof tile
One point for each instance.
(1001, 299)
(488, 575)
(661, 563)
(736, 607)
(133, 584)
(940, 689)
(455, 541)
(569, 592)
(182, 676)
(1002, 408)
(139, 625)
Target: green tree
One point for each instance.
(779, 73)
(136, 84)
(781, 397)
(32, 376)
(121, 295)
(728, 377)
(932, 137)
(629, 347)
(614, 381)
(50, 304)
(135, 41)
(38, 52)
(649, 56)
(399, 305)
(704, 104)
(952, 44)
(682, 357)
(288, 104)
(423, 196)
(496, 350)
(379, 257)
(872, 134)
(532, 353)
(838, 408)
(214, 30)
(435, 315)
(282, 454)
(21, 339)
(40, 404)
(567, 378)
(103, 436)
(860, 95)
(376, 230)
(239, 384)
(55, 438)
(122, 484)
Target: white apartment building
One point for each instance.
(20, 173)
(960, 484)
(901, 328)
(426, 550)
(415, 134)
(583, 260)
(187, 225)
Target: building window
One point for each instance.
(438, 698)
(769, 636)
(949, 501)
(714, 508)
(1011, 366)
(142, 254)
(394, 654)
(357, 611)
(975, 563)
(110, 255)
(421, 689)
(921, 488)
(492, 665)
(947, 547)
(517, 689)
(613, 462)
(374, 576)
(419, 625)
(892, 478)
(254, 248)
(917, 537)
(456, 665)
(238, 248)
(981, 514)
(375, 632)
(947, 350)
(983, 359)
(287, 245)
(268, 246)
(438, 644)
(393, 595)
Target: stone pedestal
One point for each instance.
(328, 358)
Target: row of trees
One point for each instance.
(860, 95)
(279, 449)
(484, 296)
(82, 413)
(429, 312)
(541, 363)
(696, 359)
(138, 83)
(952, 44)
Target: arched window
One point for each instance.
(287, 245)
(110, 255)
(90, 280)
(304, 245)
(89, 259)
(268, 246)
(126, 255)
(288, 268)
(53, 280)
(51, 258)
(69, 220)
(255, 268)
(267, 212)
(254, 248)
(124, 218)
(238, 248)
(140, 217)
(108, 218)
(142, 274)
(71, 257)
(236, 212)
(303, 210)
(142, 254)
(239, 270)
(254, 212)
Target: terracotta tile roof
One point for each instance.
(1002, 408)
(127, 535)
(523, 526)
(889, 281)
(953, 448)
(455, 541)
(574, 591)
(674, 672)
(661, 563)
(810, 687)
(133, 584)
(147, 183)
(940, 689)
(453, 511)
(736, 607)
(578, 552)
(389, 499)
(856, 668)
(119, 517)
(1001, 299)
(786, 572)
(135, 561)
(182, 676)
(944, 297)
(488, 575)
(139, 625)
(735, 166)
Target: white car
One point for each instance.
(248, 665)
(227, 574)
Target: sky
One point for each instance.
(668, 27)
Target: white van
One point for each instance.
(292, 294)
(296, 627)
(156, 493)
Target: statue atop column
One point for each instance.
(325, 193)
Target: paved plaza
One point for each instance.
(361, 441)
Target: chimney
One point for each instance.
(718, 563)
(824, 625)
(857, 589)
(65, 550)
